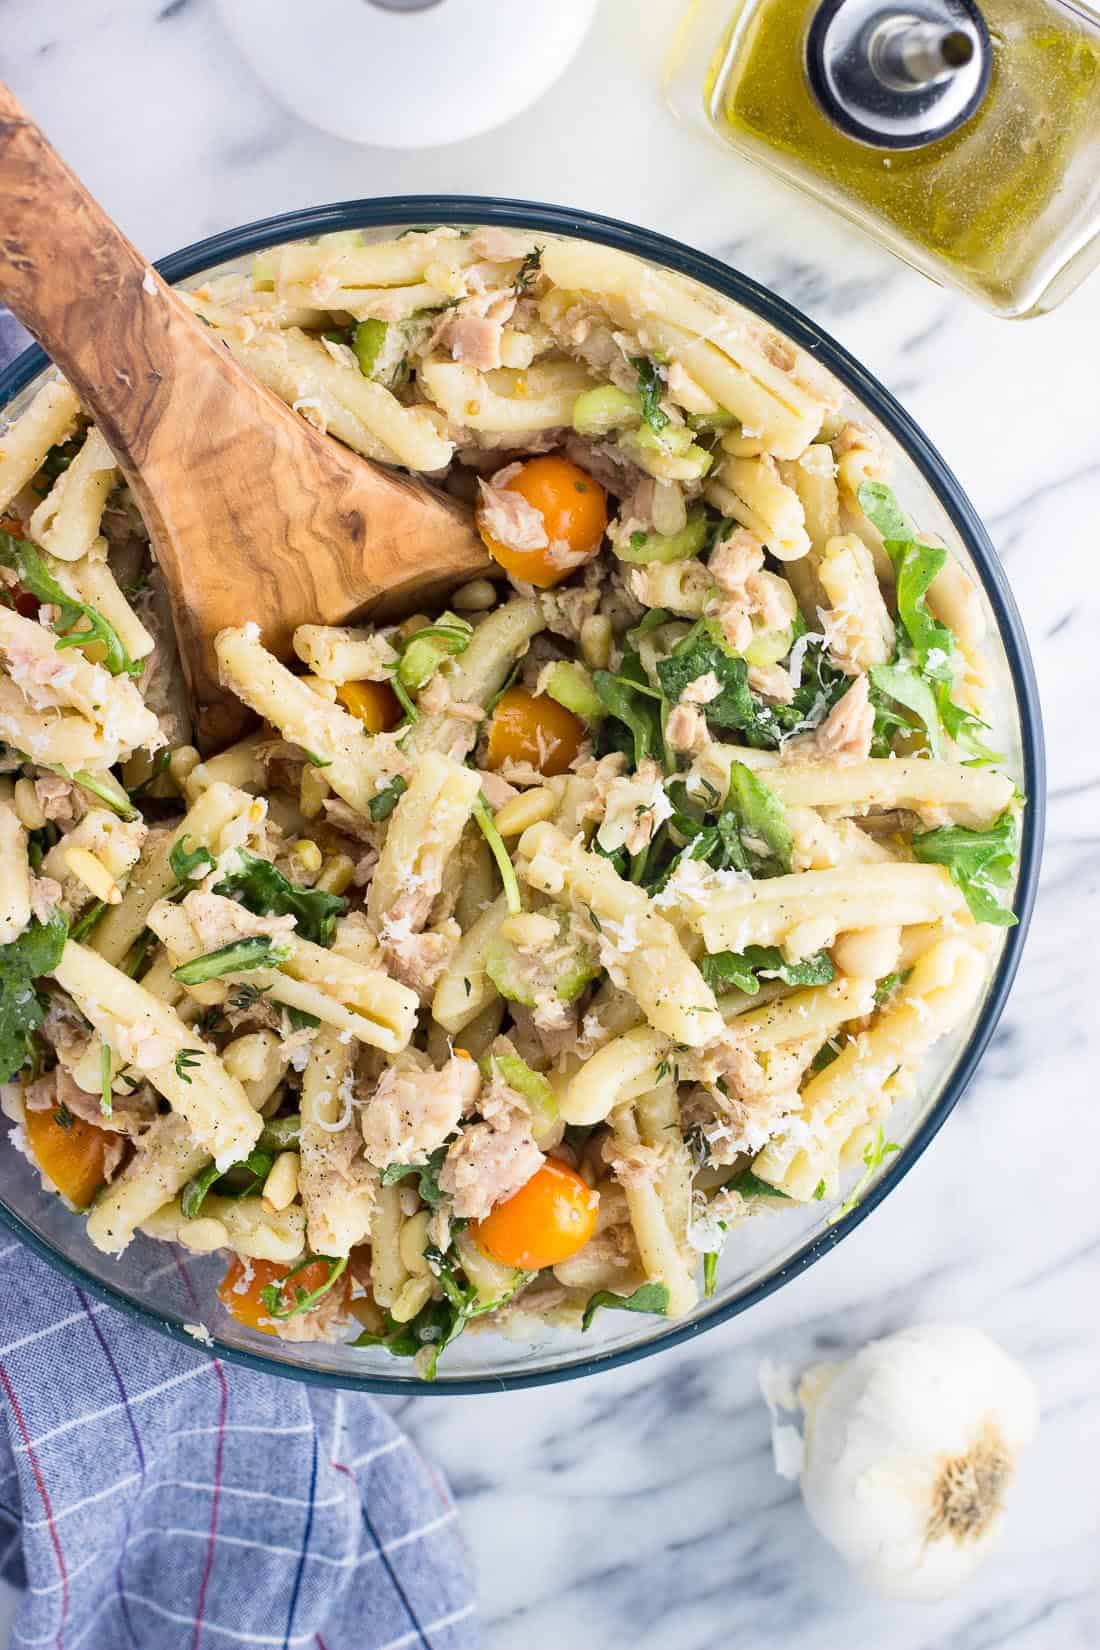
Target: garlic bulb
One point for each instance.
(909, 1449)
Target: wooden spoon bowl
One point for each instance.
(253, 515)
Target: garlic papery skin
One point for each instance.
(910, 1447)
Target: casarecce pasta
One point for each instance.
(524, 947)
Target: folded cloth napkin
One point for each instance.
(154, 1498)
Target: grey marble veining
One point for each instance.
(639, 1510)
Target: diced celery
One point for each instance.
(531, 1085)
(673, 438)
(368, 343)
(494, 1282)
(571, 685)
(598, 411)
(522, 979)
(265, 267)
(769, 646)
(428, 648)
(720, 420)
(653, 546)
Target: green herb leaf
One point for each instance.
(243, 1179)
(528, 270)
(258, 951)
(185, 1062)
(160, 766)
(650, 387)
(30, 569)
(190, 864)
(980, 862)
(37, 951)
(260, 888)
(651, 1297)
(382, 804)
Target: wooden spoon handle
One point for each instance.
(79, 286)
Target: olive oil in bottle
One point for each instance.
(966, 140)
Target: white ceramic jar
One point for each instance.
(407, 74)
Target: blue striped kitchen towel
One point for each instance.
(152, 1498)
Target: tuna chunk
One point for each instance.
(411, 1112)
(488, 1163)
(845, 735)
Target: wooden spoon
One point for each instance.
(252, 513)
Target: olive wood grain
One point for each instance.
(252, 513)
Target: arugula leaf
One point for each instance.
(888, 985)
(908, 687)
(242, 1179)
(486, 824)
(704, 651)
(875, 1154)
(980, 862)
(30, 569)
(258, 951)
(750, 1185)
(281, 1134)
(760, 815)
(188, 864)
(274, 1294)
(37, 951)
(741, 970)
(439, 1323)
(650, 387)
(637, 707)
(929, 646)
(879, 504)
(651, 1297)
(87, 922)
(427, 1173)
(382, 804)
(260, 888)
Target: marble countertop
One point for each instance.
(639, 1509)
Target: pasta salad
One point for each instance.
(525, 948)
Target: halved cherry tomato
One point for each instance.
(71, 1153)
(244, 1301)
(543, 1223)
(574, 512)
(530, 727)
(375, 704)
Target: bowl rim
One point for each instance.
(408, 210)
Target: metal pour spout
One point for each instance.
(898, 79)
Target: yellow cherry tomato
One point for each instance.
(530, 727)
(543, 1223)
(71, 1154)
(573, 508)
(244, 1300)
(375, 704)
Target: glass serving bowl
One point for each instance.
(169, 1290)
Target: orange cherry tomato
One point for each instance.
(543, 1223)
(529, 727)
(375, 704)
(71, 1154)
(244, 1301)
(574, 511)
